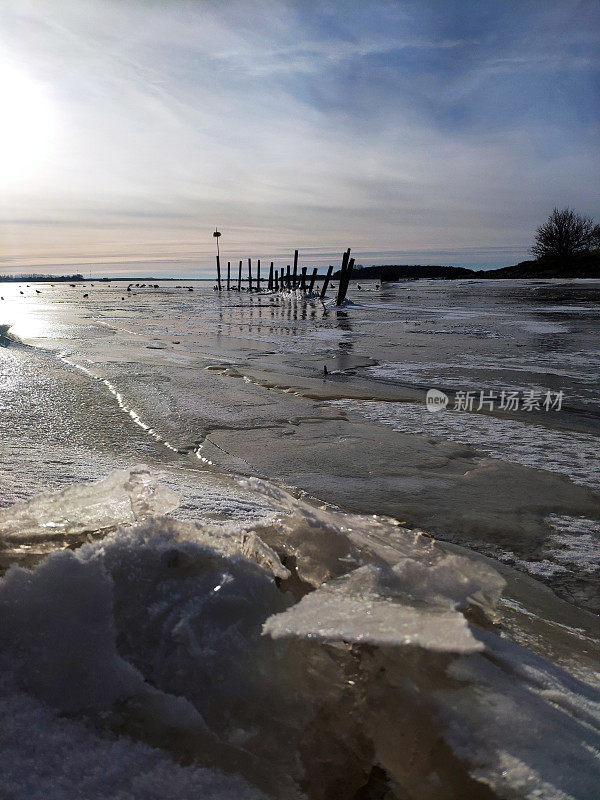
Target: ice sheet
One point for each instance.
(124, 497)
(570, 453)
(348, 610)
(383, 645)
(326, 544)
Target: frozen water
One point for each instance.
(350, 610)
(391, 669)
(124, 497)
(378, 636)
(571, 453)
(543, 737)
(576, 542)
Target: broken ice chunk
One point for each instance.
(413, 567)
(256, 550)
(325, 615)
(370, 606)
(313, 537)
(122, 498)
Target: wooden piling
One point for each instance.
(312, 281)
(270, 284)
(344, 283)
(295, 274)
(303, 279)
(326, 283)
(228, 275)
(348, 276)
(288, 279)
(219, 271)
(249, 274)
(276, 286)
(341, 291)
(345, 258)
(240, 278)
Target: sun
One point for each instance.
(27, 125)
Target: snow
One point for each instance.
(44, 756)
(307, 645)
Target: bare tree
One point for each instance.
(564, 233)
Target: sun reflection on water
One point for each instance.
(20, 318)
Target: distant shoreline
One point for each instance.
(81, 279)
(581, 265)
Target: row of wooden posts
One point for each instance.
(290, 280)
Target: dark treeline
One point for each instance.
(33, 278)
(584, 264)
(395, 272)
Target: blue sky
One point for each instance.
(433, 132)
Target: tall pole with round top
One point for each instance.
(216, 234)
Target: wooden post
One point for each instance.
(303, 279)
(348, 276)
(340, 294)
(312, 281)
(228, 275)
(216, 234)
(295, 275)
(240, 278)
(344, 285)
(271, 277)
(276, 279)
(249, 274)
(288, 280)
(258, 276)
(326, 283)
(219, 272)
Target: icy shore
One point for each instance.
(316, 654)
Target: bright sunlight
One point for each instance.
(27, 128)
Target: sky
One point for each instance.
(414, 132)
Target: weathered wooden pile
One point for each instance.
(288, 280)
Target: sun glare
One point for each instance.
(20, 318)
(27, 126)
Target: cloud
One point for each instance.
(384, 125)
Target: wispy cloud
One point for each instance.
(389, 125)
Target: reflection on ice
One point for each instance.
(21, 319)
